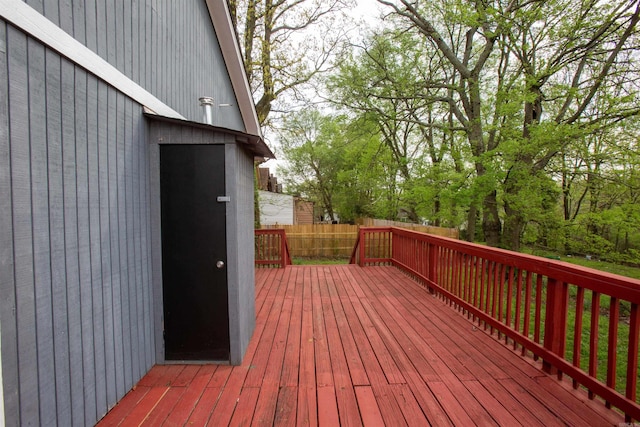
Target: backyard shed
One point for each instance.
(121, 203)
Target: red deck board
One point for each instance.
(204, 408)
(349, 345)
(266, 405)
(286, 406)
(182, 410)
(153, 376)
(307, 411)
(369, 317)
(220, 376)
(389, 408)
(291, 364)
(145, 406)
(186, 376)
(456, 410)
(324, 376)
(371, 416)
(124, 407)
(356, 367)
(408, 404)
(243, 413)
(224, 411)
(164, 407)
(327, 406)
(494, 407)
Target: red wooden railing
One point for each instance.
(271, 248)
(580, 322)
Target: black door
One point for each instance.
(194, 275)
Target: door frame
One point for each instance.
(190, 202)
(189, 133)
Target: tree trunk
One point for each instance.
(472, 215)
(491, 225)
(513, 228)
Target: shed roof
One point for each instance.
(252, 143)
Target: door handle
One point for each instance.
(220, 264)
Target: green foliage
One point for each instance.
(520, 117)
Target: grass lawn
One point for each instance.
(321, 261)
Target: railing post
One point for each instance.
(362, 248)
(283, 255)
(555, 323)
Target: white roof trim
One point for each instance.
(36, 25)
(221, 18)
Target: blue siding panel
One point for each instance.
(71, 220)
(24, 228)
(96, 246)
(57, 239)
(84, 247)
(8, 264)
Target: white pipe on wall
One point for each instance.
(207, 104)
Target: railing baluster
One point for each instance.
(593, 337)
(577, 332)
(516, 325)
(509, 301)
(612, 350)
(476, 284)
(483, 285)
(538, 312)
(632, 356)
(527, 307)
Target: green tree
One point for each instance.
(388, 82)
(286, 44)
(525, 80)
(313, 145)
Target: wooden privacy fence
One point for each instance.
(335, 240)
(454, 233)
(580, 322)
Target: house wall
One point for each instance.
(168, 47)
(76, 307)
(275, 208)
(240, 254)
(303, 212)
(2, 422)
(77, 310)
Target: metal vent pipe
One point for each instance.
(207, 105)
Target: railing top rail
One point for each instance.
(589, 278)
(269, 230)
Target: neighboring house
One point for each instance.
(277, 208)
(116, 199)
(284, 209)
(303, 211)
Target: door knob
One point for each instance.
(220, 264)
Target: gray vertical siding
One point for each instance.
(240, 236)
(79, 202)
(75, 258)
(168, 47)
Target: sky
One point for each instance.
(366, 10)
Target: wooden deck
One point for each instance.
(349, 345)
